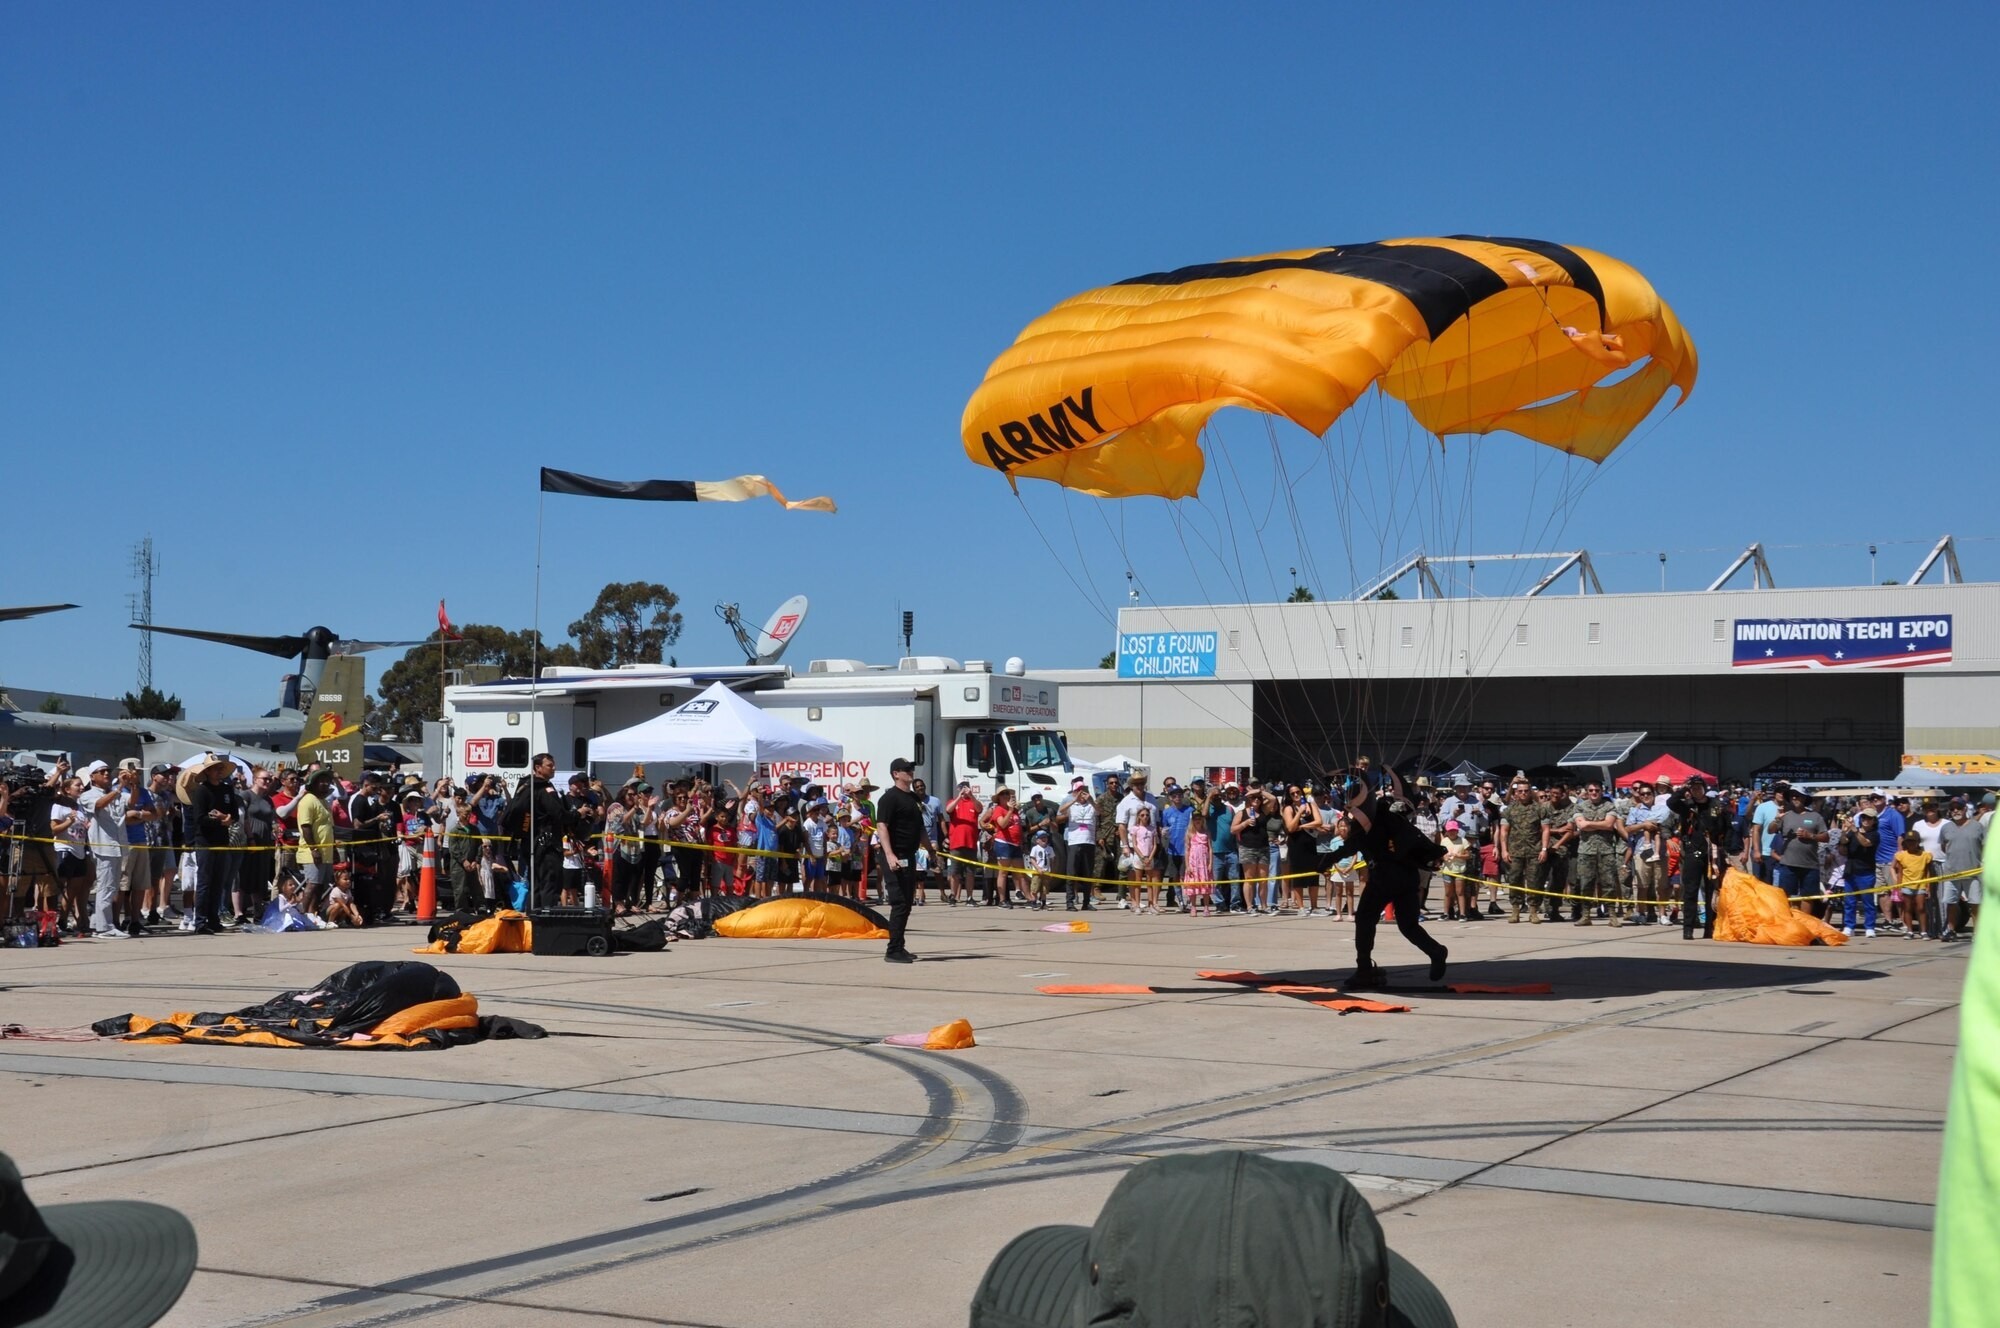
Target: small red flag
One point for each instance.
(444, 625)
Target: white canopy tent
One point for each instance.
(1910, 779)
(716, 728)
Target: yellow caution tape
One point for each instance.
(1675, 898)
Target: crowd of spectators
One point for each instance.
(115, 852)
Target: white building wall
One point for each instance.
(1951, 712)
(1175, 728)
(1548, 636)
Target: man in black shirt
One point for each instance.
(1397, 855)
(1703, 826)
(900, 831)
(538, 819)
(215, 808)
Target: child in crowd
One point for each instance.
(1199, 865)
(574, 858)
(842, 868)
(1144, 840)
(1912, 868)
(1041, 861)
(1350, 871)
(1460, 896)
(340, 910)
(816, 828)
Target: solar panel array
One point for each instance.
(1602, 749)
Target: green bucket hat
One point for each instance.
(1208, 1240)
(109, 1264)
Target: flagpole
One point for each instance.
(534, 689)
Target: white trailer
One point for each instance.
(954, 721)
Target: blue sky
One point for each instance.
(308, 293)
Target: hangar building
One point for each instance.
(1729, 680)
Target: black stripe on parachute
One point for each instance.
(1581, 274)
(1442, 283)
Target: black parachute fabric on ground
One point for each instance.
(346, 1009)
(641, 936)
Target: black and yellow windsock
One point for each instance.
(737, 489)
(1108, 392)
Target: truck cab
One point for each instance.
(1023, 757)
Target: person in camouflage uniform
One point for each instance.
(1108, 847)
(1562, 850)
(1523, 838)
(1599, 851)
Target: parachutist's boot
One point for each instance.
(1367, 977)
(1514, 913)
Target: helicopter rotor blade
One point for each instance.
(285, 647)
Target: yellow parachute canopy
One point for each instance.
(1108, 392)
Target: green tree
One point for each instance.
(1388, 592)
(1110, 660)
(52, 705)
(632, 622)
(150, 703)
(410, 690)
(1300, 595)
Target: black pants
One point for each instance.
(1696, 883)
(689, 862)
(649, 870)
(1555, 880)
(1082, 862)
(624, 879)
(899, 888)
(467, 894)
(254, 875)
(546, 887)
(217, 872)
(1382, 890)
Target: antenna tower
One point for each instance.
(144, 565)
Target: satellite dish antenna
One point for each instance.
(779, 629)
(776, 634)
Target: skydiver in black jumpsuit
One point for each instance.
(1397, 854)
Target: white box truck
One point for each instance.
(955, 721)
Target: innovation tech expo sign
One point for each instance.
(1842, 643)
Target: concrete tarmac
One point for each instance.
(1683, 1133)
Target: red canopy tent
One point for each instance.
(1667, 769)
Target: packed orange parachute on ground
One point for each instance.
(399, 1005)
(1746, 909)
(804, 917)
(1108, 392)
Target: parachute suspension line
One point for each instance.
(1316, 752)
(1281, 715)
(1083, 560)
(1174, 515)
(1303, 550)
(1081, 591)
(1119, 538)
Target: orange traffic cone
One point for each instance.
(427, 880)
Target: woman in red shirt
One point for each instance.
(961, 820)
(1005, 823)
